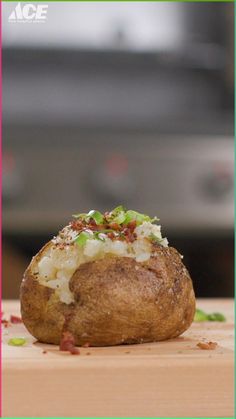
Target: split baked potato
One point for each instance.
(108, 279)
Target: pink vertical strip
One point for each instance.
(1, 204)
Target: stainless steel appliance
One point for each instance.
(118, 118)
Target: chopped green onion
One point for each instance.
(82, 238)
(154, 238)
(17, 341)
(154, 219)
(119, 219)
(201, 316)
(136, 216)
(96, 235)
(216, 317)
(82, 216)
(96, 216)
(118, 209)
(117, 215)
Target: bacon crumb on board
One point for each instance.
(5, 323)
(44, 352)
(15, 319)
(68, 344)
(207, 345)
(86, 345)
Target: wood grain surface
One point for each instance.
(174, 378)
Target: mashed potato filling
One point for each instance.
(64, 257)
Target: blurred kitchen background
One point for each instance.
(110, 103)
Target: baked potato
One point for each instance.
(108, 279)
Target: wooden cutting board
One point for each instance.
(166, 379)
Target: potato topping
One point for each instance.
(92, 236)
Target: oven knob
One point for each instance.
(217, 186)
(113, 179)
(13, 181)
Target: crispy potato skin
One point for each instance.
(117, 300)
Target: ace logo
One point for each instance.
(29, 13)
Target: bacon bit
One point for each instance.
(74, 351)
(132, 225)
(86, 345)
(88, 353)
(92, 222)
(60, 246)
(90, 227)
(134, 237)
(115, 226)
(95, 227)
(130, 237)
(44, 352)
(126, 232)
(102, 226)
(207, 345)
(15, 319)
(111, 235)
(5, 323)
(81, 225)
(77, 225)
(68, 343)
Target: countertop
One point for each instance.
(174, 378)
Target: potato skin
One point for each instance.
(42, 312)
(117, 300)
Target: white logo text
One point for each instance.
(29, 13)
